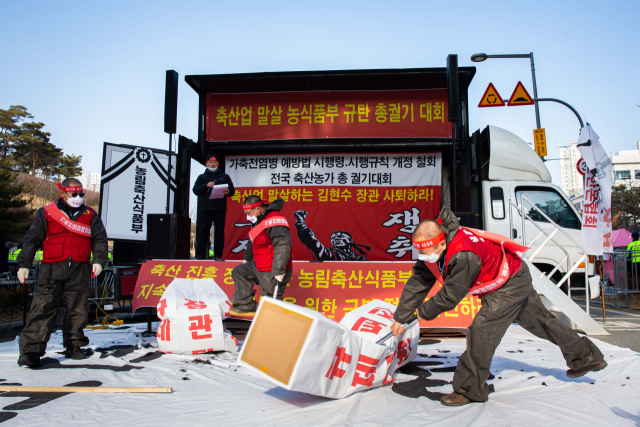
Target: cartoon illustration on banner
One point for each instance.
(345, 207)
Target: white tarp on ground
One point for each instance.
(192, 311)
(531, 389)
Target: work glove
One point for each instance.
(279, 278)
(23, 273)
(97, 269)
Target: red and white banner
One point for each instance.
(419, 113)
(331, 288)
(192, 311)
(340, 207)
(596, 236)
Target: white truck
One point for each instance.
(514, 170)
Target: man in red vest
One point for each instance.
(267, 259)
(68, 231)
(473, 262)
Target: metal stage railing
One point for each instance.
(571, 266)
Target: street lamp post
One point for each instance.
(479, 57)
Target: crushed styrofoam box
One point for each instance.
(302, 350)
(192, 311)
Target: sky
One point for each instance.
(93, 71)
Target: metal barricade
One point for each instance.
(625, 273)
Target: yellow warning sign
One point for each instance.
(491, 98)
(520, 96)
(540, 142)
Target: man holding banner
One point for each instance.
(267, 259)
(485, 264)
(68, 231)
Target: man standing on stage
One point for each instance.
(211, 211)
(68, 231)
(474, 262)
(267, 259)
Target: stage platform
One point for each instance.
(331, 287)
(531, 388)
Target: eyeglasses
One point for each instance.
(76, 194)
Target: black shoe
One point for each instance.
(30, 360)
(74, 353)
(454, 399)
(575, 373)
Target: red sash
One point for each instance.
(504, 272)
(274, 221)
(60, 217)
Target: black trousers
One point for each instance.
(515, 301)
(203, 232)
(246, 275)
(55, 280)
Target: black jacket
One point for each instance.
(280, 237)
(464, 267)
(203, 192)
(36, 234)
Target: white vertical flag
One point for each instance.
(596, 236)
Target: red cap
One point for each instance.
(212, 159)
(248, 207)
(429, 243)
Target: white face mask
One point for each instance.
(433, 258)
(212, 169)
(75, 202)
(252, 219)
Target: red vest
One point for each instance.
(263, 249)
(60, 243)
(490, 254)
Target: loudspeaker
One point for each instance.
(453, 91)
(168, 236)
(171, 102)
(128, 253)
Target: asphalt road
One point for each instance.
(623, 324)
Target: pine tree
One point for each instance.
(9, 125)
(32, 143)
(12, 207)
(69, 167)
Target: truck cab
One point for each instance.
(514, 170)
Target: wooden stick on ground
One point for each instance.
(88, 389)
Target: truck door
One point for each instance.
(553, 203)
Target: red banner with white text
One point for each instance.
(331, 288)
(340, 207)
(419, 113)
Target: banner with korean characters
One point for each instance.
(340, 207)
(331, 288)
(419, 113)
